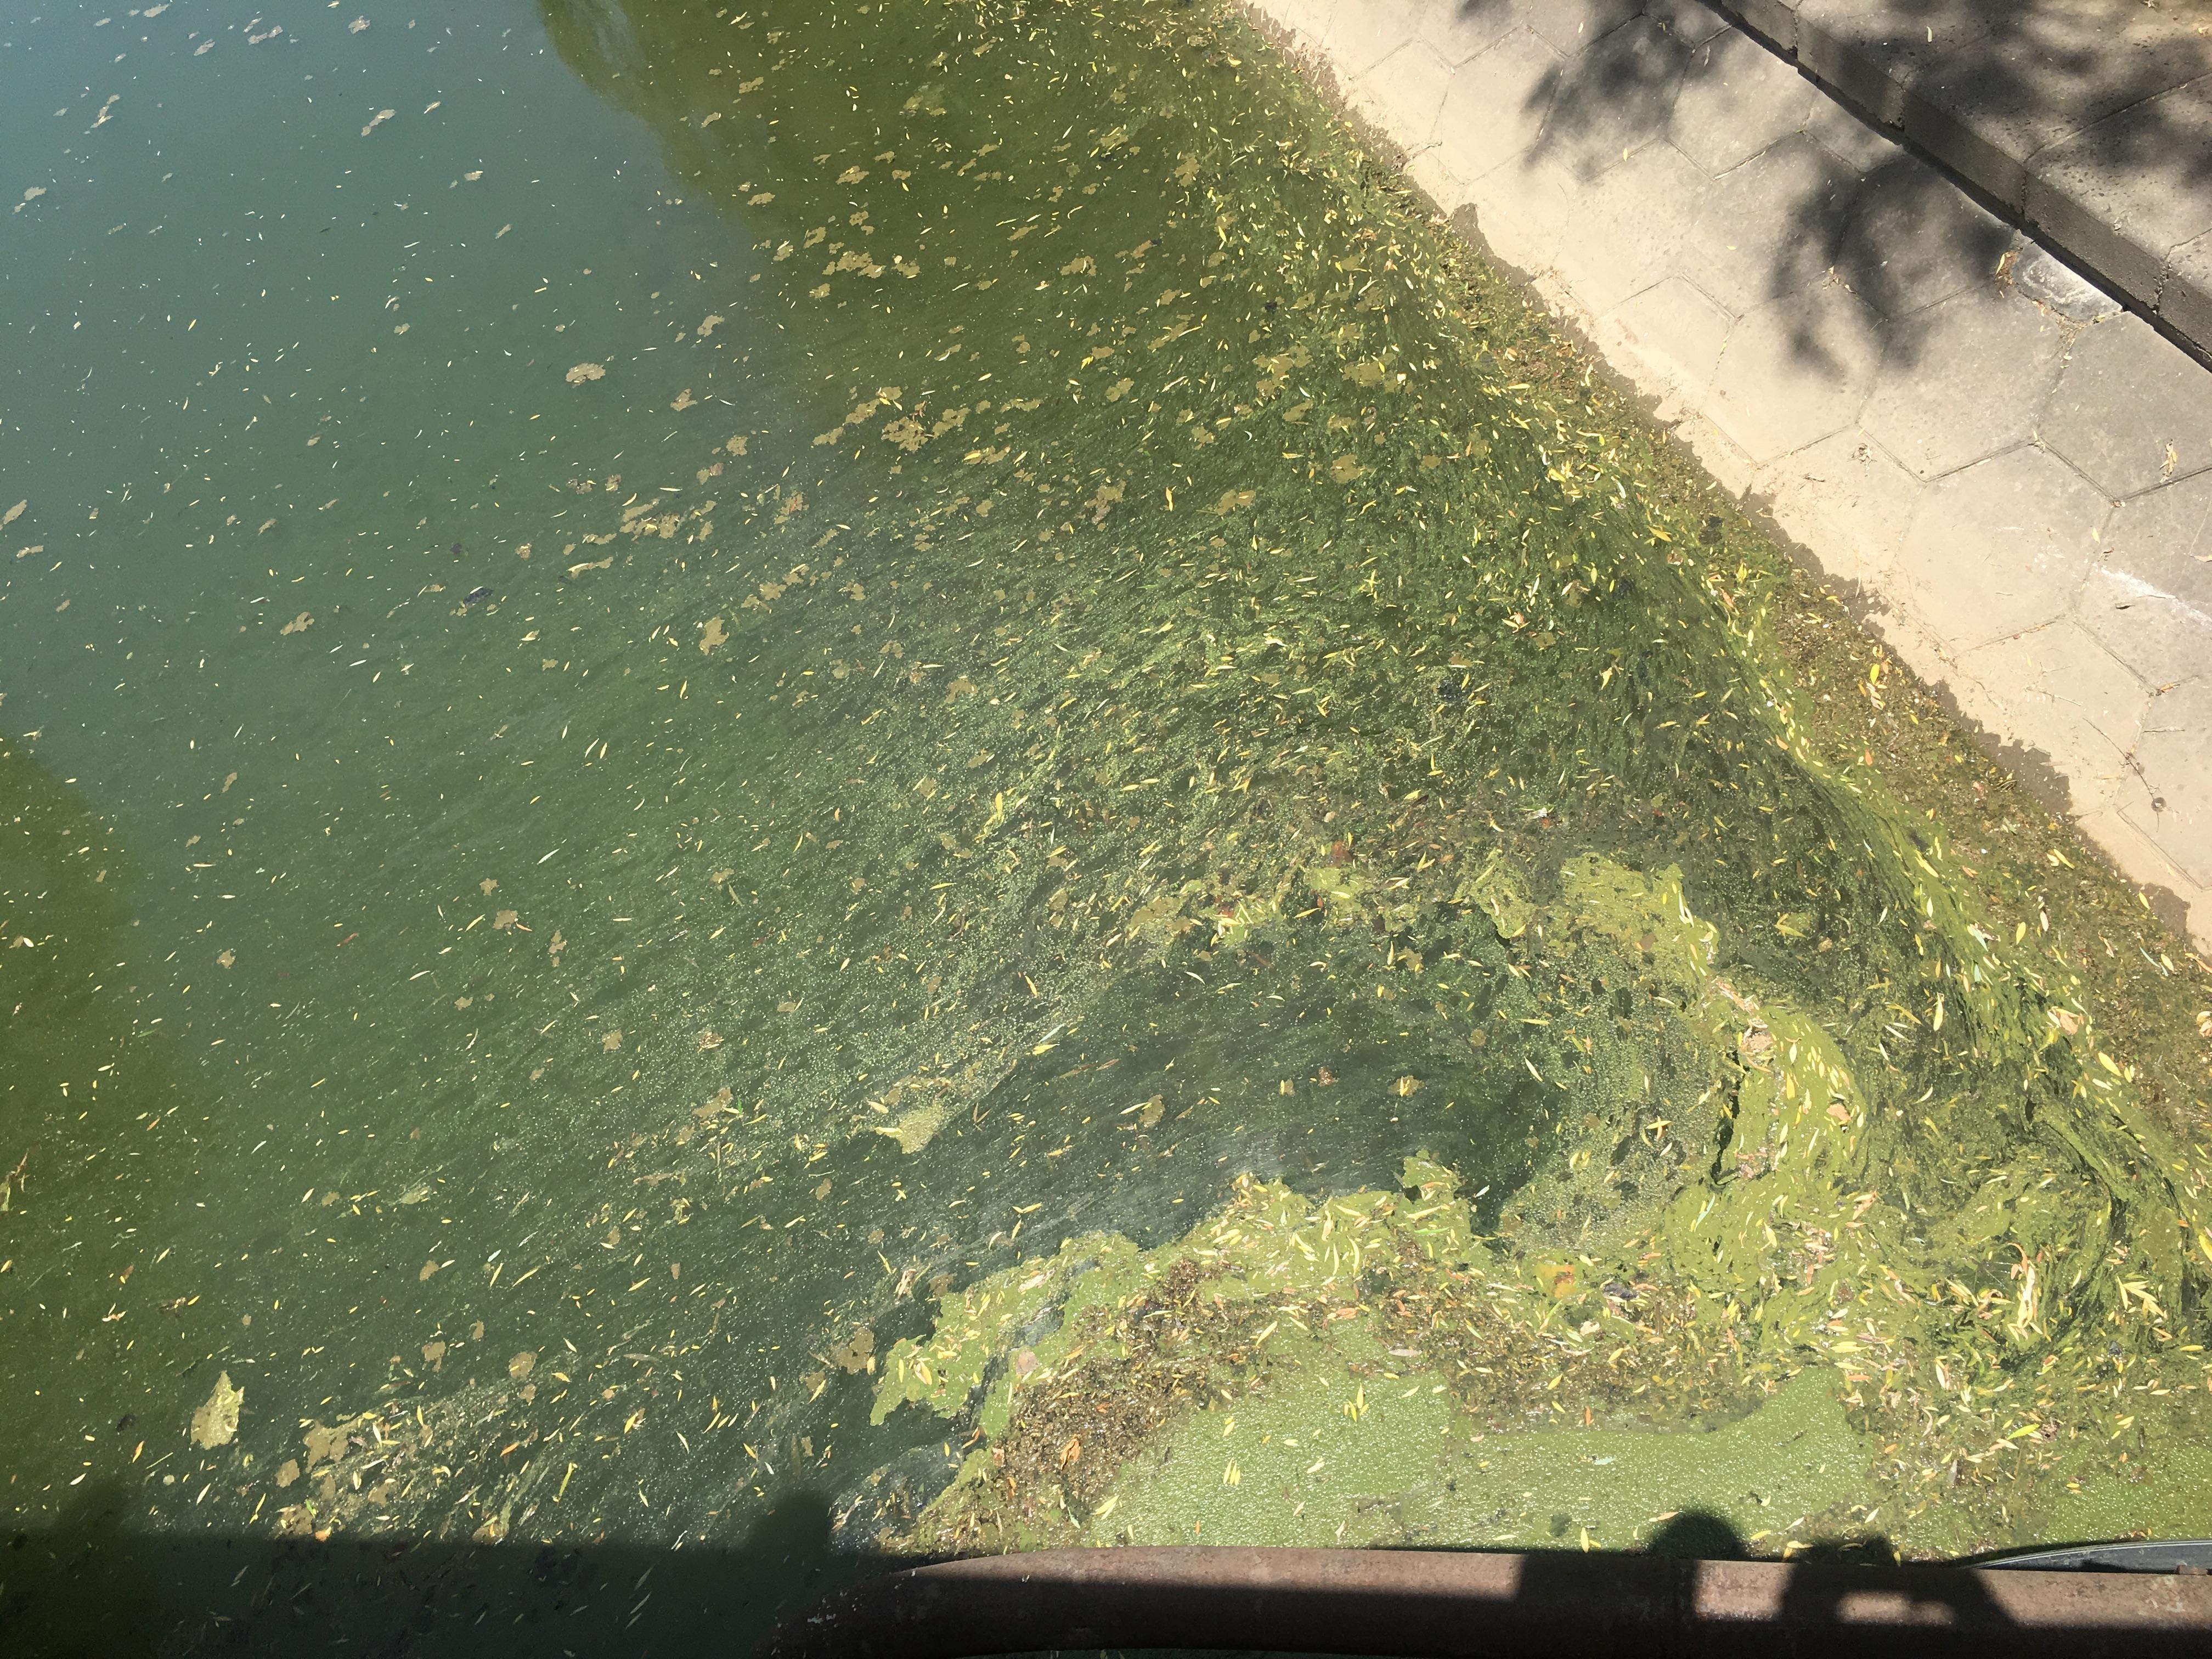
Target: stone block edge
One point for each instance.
(2140, 279)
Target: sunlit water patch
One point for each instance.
(905, 754)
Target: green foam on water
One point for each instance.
(1111, 788)
(1387, 1459)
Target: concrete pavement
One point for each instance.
(2014, 471)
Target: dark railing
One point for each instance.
(1419, 1603)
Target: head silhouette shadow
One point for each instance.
(1696, 1534)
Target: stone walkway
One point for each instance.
(2090, 120)
(2013, 472)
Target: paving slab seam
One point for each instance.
(2005, 471)
(2104, 188)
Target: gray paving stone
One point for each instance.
(1849, 503)
(1630, 226)
(1459, 29)
(1771, 226)
(1403, 93)
(2132, 410)
(2042, 276)
(1438, 182)
(1860, 145)
(1872, 50)
(1677, 329)
(1737, 98)
(1570, 26)
(2159, 633)
(2125, 194)
(1914, 237)
(1691, 21)
(1995, 578)
(1309, 18)
(1522, 208)
(2167, 542)
(1361, 33)
(2058, 690)
(1731, 468)
(1966, 378)
(1796, 370)
(2042, 74)
(1614, 97)
(1496, 105)
(2000, 547)
(2150, 601)
(2171, 751)
(2185, 300)
(2092, 118)
(1775, 19)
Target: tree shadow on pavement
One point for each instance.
(1851, 203)
(2034, 79)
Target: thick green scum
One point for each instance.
(1199, 881)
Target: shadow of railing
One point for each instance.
(92, 1585)
(95, 1587)
(1565, 1606)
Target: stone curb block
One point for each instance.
(2066, 195)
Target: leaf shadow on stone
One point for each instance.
(1615, 95)
(1901, 234)
(2085, 78)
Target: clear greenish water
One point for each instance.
(900, 766)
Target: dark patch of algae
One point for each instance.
(1789, 1127)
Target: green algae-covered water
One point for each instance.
(797, 783)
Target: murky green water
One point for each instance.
(897, 762)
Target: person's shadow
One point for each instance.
(1843, 1594)
(1694, 1535)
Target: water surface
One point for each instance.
(904, 759)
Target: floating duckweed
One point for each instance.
(1175, 885)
